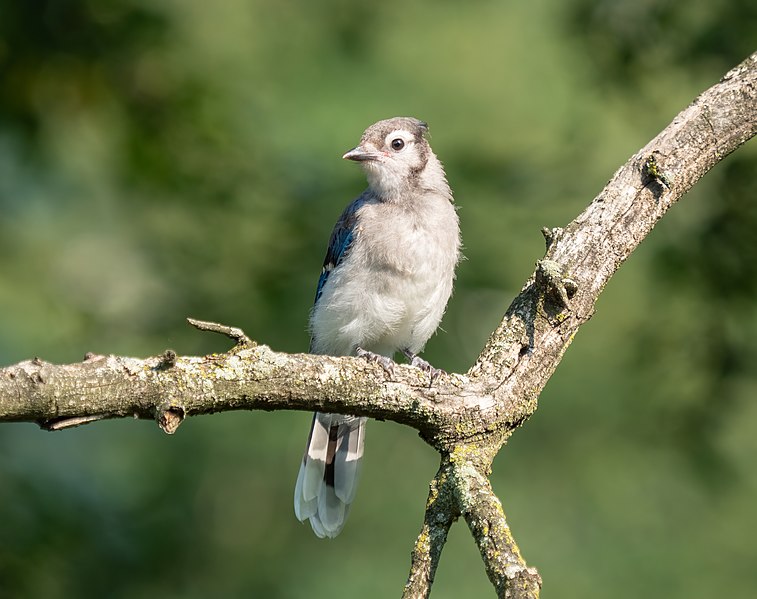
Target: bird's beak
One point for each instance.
(360, 154)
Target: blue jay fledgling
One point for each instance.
(384, 286)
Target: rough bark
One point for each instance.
(466, 417)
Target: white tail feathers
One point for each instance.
(329, 472)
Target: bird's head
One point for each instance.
(394, 154)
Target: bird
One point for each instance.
(385, 283)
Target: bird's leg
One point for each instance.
(386, 363)
(418, 362)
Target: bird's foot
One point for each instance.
(386, 363)
(418, 362)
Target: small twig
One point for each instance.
(234, 333)
(551, 235)
(57, 425)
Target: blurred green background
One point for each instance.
(173, 159)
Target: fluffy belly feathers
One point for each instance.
(396, 303)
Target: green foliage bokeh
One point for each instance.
(164, 160)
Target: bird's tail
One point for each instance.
(329, 472)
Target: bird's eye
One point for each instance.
(397, 144)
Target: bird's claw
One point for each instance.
(386, 363)
(418, 362)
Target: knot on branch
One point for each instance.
(167, 360)
(556, 288)
(653, 174)
(169, 418)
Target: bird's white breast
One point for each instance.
(390, 291)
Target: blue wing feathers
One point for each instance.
(340, 242)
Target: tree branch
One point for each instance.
(467, 417)
(483, 512)
(441, 512)
(245, 378)
(461, 487)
